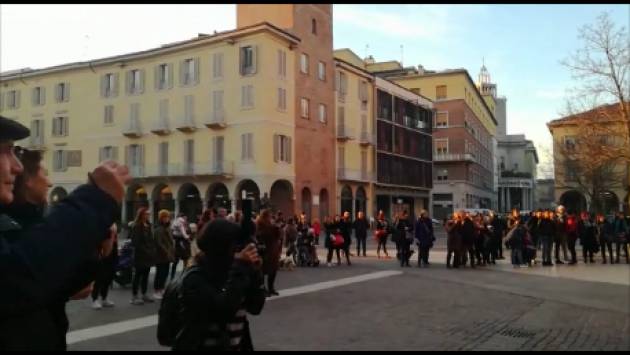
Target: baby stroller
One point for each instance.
(307, 254)
(124, 268)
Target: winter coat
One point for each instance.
(165, 246)
(547, 228)
(423, 235)
(453, 236)
(345, 227)
(36, 259)
(329, 229)
(290, 233)
(207, 301)
(361, 226)
(620, 227)
(587, 234)
(269, 235)
(144, 246)
(468, 232)
(561, 227)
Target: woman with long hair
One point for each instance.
(382, 231)
(268, 233)
(165, 252)
(144, 255)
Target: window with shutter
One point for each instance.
(304, 63)
(109, 115)
(189, 109)
(276, 141)
(250, 95)
(321, 71)
(248, 60)
(322, 113)
(304, 103)
(217, 65)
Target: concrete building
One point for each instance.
(545, 196)
(205, 121)
(567, 132)
(463, 131)
(518, 162)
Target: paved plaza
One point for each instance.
(376, 305)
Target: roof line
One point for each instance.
(19, 73)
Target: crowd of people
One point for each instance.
(480, 239)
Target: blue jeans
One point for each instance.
(517, 256)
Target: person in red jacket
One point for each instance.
(571, 232)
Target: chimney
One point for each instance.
(369, 60)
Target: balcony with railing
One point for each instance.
(355, 175)
(161, 127)
(216, 120)
(186, 124)
(132, 129)
(219, 168)
(367, 138)
(344, 132)
(453, 157)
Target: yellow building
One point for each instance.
(205, 119)
(566, 133)
(356, 134)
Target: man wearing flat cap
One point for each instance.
(37, 266)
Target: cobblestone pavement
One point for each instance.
(491, 308)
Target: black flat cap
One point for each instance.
(11, 130)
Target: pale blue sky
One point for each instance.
(522, 44)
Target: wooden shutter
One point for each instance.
(276, 151)
(141, 84)
(114, 88)
(101, 154)
(156, 77)
(103, 85)
(279, 62)
(243, 94)
(289, 150)
(243, 146)
(66, 94)
(250, 145)
(254, 59)
(196, 72)
(337, 80)
(250, 95)
(114, 154)
(42, 96)
(128, 81)
(1, 101)
(182, 72)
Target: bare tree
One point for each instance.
(602, 69)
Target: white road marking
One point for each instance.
(149, 321)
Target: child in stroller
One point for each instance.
(124, 268)
(307, 253)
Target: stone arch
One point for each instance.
(136, 197)
(189, 200)
(360, 204)
(252, 191)
(573, 201)
(346, 200)
(607, 202)
(57, 194)
(281, 197)
(218, 196)
(307, 203)
(162, 199)
(323, 204)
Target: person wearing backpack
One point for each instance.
(214, 294)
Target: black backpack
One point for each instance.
(170, 313)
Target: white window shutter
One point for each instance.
(141, 85)
(182, 72)
(115, 154)
(34, 97)
(101, 154)
(42, 96)
(64, 160)
(243, 95)
(66, 92)
(103, 85)
(250, 145)
(250, 95)
(275, 147)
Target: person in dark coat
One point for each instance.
(30, 196)
(105, 274)
(606, 236)
(622, 236)
(345, 227)
(35, 260)
(382, 232)
(216, 298)
(454, 245)
(144, 255)
(468, 240)
(332, 228)
(165, 252)
(269, 234)
(546, 230)
(361, 226)
(587, 235)
(424, 237)
(405, 235)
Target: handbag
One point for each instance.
(338, 240)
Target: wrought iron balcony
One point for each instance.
(186, 124)
(216, 120)
(355, 175)
(161, 128)
(344, 132)
(132, 129)
(367, 138)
